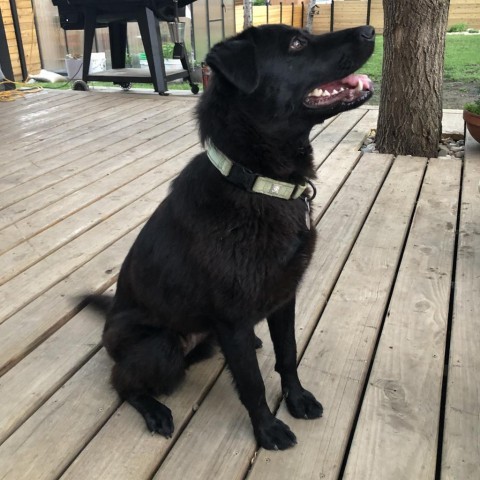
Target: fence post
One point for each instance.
(332, 15)
(369, 6)
(303, 14)
(292, 13)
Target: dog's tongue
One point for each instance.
(353, 80)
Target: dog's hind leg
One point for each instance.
(300, 402)
(149, 361)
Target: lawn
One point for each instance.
(462, 69)
(462, 59)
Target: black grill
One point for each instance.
(88, 15)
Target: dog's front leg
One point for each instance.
(238, 346)
(300, 402)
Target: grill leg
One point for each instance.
(90, 22)
(152, 42)
(118, 43)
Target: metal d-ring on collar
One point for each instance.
(252, 182)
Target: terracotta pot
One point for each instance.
(473, 124)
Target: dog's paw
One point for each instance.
(275, 435)
(302, 404)
(159, 420)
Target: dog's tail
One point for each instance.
(100, 303)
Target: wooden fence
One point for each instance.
(21, 37)
(349, 13)
(288, 14)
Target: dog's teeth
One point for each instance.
(317, 92)
(334, 92)
(359, 87)
(326, 93)
(342, 89)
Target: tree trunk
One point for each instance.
(410, 115)
(310, 14)
(247, 14)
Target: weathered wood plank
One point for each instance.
(397, 432)
(31, 283)
(332, 137)
(338, 356)
(40, 317)
(79, 212)
(339, 162)
(54, 144)
(124, 449)
(461, 437)
(25, 388)
(120, 153)
(104, 149)
(65, 119)
(48, 441)
(221, 418)
(44, 99)
(29, 167)
(28, 284)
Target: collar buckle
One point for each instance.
(242, 177)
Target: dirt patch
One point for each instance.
(455, 94)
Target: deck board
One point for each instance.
(461, 443)
(397, 432)
(85, 159)
(337, 358)
(76, 185)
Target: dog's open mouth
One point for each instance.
(353, 89)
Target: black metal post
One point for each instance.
(369, 6)
(266, 4)
(208, 25)
(18, 35)
(35, 22)
(5, 63)
(281, 12)
(332, 15)
(303, 14)
(292, 13)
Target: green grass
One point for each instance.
(462, 59)
(458, 27)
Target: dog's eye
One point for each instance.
(297, 43)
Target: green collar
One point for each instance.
(252, 182)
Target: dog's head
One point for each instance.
(288, 74)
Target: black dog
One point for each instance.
(230, 243)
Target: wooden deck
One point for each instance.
(388, 314)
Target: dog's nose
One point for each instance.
(367, 33)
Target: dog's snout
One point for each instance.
(367, 33)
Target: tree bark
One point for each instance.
(247, 14)
(410, 114)
(311, 12)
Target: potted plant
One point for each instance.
(471, 115)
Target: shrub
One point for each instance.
(458, 27)
(473, 107)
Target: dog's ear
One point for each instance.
(236, 61)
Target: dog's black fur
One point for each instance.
(213, 260)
